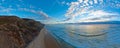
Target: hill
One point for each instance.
(18, 32)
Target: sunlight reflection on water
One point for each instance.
(70, 35)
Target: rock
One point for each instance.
(16, 32)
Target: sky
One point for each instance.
(63, 11)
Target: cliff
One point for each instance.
(18, 32)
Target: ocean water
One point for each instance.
(86, 36)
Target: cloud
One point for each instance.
(99, 15)
(41, 13)
(95, 1)
(87, 10)
(113, 3)
(22, 9)
(79, 7)
(8, 10)
(67, 19)
(65, 3)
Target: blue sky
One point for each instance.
(63, 11)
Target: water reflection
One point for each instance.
(71, 35)
(87, 29)
(70, 30)
(75, 31)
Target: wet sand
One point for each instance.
(44, 40)
(50, 41)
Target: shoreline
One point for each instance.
(50, 41)
(44, 40)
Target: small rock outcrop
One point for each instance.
(17, 32)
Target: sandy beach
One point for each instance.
(44, 40)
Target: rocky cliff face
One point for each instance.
(16, 32)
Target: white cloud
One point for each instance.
(80, 1)
(79, 7)
(86, 2)
(68, 3)
(99, 15)
(91, 2)
(118, 5)
(113, 3)
(41, 13)
(65, 3)
(6, 10)
(83, 10)
(95, 1)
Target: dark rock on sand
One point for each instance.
(16, 32)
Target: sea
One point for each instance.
(86, 35)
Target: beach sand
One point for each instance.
(44, 40)
(50, 41)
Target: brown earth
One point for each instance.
(16, 32)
